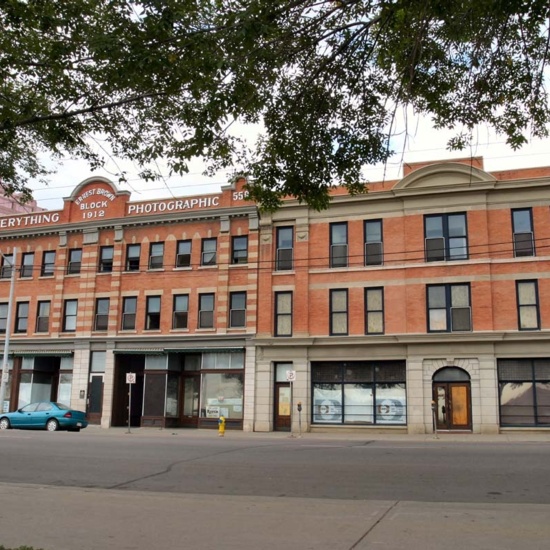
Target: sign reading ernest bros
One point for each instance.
(94, 202)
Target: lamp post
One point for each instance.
(5, 373)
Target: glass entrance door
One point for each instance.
(190, 407)
(452, 405)
(282, 407)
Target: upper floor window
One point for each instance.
(374, 251)
(152, 314)
(106, 259)
(374, 311)
(7, 266)
(181, 311)
(156, 256)
(283, 313)
(208, 256)
(27, 264)
(339, 244)
(237, 309)
(524, 242)
(129, 309)
(183, 255)
(22, 317)
(528, 305)
(446, 237)
(101, 314)
(239, 250)
(133, 253)
(338, 312)
(70, 311)
(43, 316)
(449, 308)
(206, 310)
(48, 263)
(75, 261)
(3, 318)
(285, 248)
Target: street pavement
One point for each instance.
(71, 518)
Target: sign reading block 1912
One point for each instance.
(130, 378)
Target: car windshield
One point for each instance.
(61, 406)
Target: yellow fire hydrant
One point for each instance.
(221, 426)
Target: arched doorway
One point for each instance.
(452, 397)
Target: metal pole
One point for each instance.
(129, 406)
(5, 372)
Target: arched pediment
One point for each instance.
(77, 191)
(446, 174)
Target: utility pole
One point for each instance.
(5, 372)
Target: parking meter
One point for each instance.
(299, 406)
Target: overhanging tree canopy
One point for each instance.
(166, 78)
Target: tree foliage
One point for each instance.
(165, 79)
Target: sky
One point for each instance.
(418, 142)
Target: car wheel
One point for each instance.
(4, 424)
(52, 425)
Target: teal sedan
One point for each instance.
(46, 415)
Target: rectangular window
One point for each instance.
(7, 266)
(237, 309)
(181, 311)
(206, 310)
(129, 308)
(522, 227)
(106, 259)
(3, 318)
(338, 312)
(528, 305)
(239, 250)
(70, 310)
(183, 255)
(449, 308)
(101, 314)
(48, 264)
(75, 261)
(27, 265)
(156, 256)
(22, 317)
(43, 317)
(152, 314)
(283, 313)
(285, 249)
(374, 311)
(133, 253)
(208, 256)
(339, 244)
(446, 237)
(374, 250)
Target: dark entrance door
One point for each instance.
(95, 399)
(452, 405)
(189, 417)
(282, 406)
(121, 397)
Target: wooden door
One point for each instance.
(283, 399)
(189, 417)
(453, 405)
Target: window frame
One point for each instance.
(236, 311)
(21, 317)
(105, 263)
(205, 243)
(67, 316)
(126, 312)
(236, 251)
(336, 258)
(180, 313)
(152, 312)
(281, 262)
(47, 268)
(7, 266)
(374, 311)
(27, 265)
(153, 257)
(101, 319)
(130, 264)
(333, 314)
(74, 267)
(535, 305)
(446, 252)
(283, 315)
(180, 256)
(372, 258)
(4, 306)
(519, 250)
(202, 311)
(40, 317)
(448, 307)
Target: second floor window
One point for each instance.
(3, 318)
(449, 308)
(524, 242)
(183, 255)
(338, 312)
(283, 314)
(208, 256)
(129, 309)
(7, 266)
(101, 314)
(338, 244)
(374, 252)
(43, 317)
(206, 310)
(152, 315)
(22, 317)
(239, 250)
(156, 256)
(133, 253)
(285, 249)
(446, 237)
(528, 305)
(27, 265)
(106, 259)
(181, 311)
(237, 309)
(48, 263)
(70, 311)
(75, 261)
(374, 311)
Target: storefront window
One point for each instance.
(172, 394)
(64, 389)
(222, 395)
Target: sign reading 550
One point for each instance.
(240, 195)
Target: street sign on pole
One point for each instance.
(130, 379)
